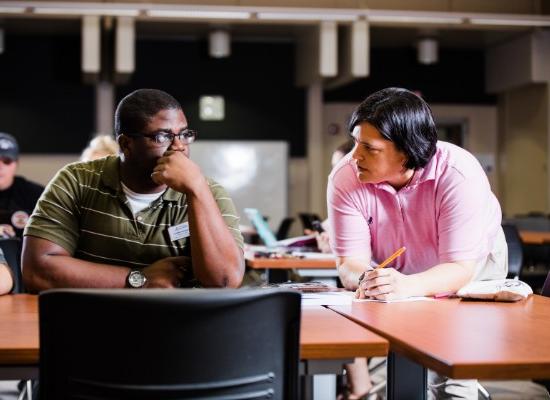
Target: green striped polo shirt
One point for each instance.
(85, 211)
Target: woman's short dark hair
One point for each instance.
(403, 118)
(136, 109)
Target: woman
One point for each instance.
(400, 187)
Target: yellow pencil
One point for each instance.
(392, 257)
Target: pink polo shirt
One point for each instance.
(446, 213)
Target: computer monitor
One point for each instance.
(261, 226)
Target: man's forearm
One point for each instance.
(61, 271)
(350, 269)
(217, 260)
(442, 278)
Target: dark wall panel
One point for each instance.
(257, 82)
(42, 100)
(458, 77)
(46, 105)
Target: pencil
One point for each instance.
(388, 260)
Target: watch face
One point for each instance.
(136, 279)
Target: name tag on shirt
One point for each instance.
(178, 232)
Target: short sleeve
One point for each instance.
(349, 231)
(466, 214)
(55, 217)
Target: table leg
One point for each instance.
(276, 275)
(406, 379)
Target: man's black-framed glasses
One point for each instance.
(186, 136)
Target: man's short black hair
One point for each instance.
(403, 118)
(134, 111)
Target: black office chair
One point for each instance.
(12, 252)
(307, 219)
(515, 250)
(284, 228)
(169, 344)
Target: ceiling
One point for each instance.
(380, 36)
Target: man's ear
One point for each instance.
(124, 145)
(123, 142)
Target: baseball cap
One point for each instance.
(8, 146)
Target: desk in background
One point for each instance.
(534, 237)
(459, 339)
(277, 269)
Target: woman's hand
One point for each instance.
(384, 284)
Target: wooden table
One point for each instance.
(327, 339)
(18, 330)
(534, 237)
(277, 269)
(463, 339)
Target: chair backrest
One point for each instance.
(169, 344)
(307, 219)
(546, 287)
(515, 250)
(12, 252)
(284, 228)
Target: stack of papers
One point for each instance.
(327, 298)
(414, 298)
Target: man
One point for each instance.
(146, 218)
(401, 187)
(18, 196)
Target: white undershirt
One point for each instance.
(139, 201)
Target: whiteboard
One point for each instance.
(254, 173)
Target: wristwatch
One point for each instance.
(136, 279)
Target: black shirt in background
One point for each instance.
(17, 203)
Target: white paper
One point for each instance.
(310, 255)
(327, 298)
(414, 298)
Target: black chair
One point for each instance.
(307, 220)
(169, 344)
(12, 252)
(284, 228)
(515, 250)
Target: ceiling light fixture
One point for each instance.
(12, 10)
(198, 14)
(219, 43)
(117, 12)
(409, 19)
(427, 51)
(306, 16)
(510, 22)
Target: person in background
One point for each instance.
(400, 186)
(322, 237)
(18, 196)
(145, 218)
(99, 146)
(6, 277)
